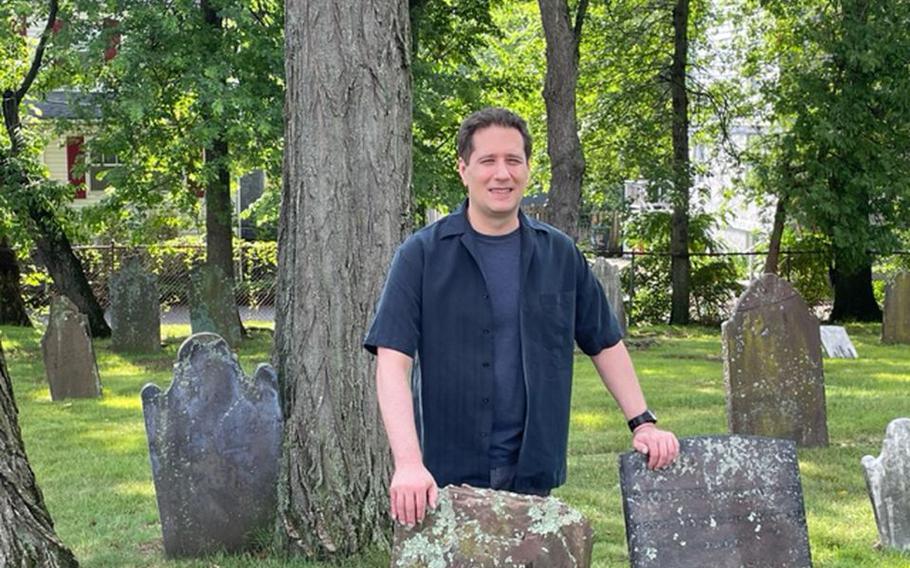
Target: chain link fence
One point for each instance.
(717, 279)
(255, 270)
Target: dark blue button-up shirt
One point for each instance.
(436, 305)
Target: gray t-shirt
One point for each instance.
(500, 259)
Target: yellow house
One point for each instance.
(65, 155)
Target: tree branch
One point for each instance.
(579, 21)
(39, 53)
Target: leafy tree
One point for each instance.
(835, 76)
(448, 84)
(23, 189)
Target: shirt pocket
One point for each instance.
(557, 315)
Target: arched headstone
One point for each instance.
(775, 384)
(135, 309)
(69, 357)
(214, 440)
(213, 306)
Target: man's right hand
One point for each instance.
(412, 489)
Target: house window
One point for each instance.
(99, 165)
(75, 165)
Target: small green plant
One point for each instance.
(713, 279)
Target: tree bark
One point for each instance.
(854, 299)
(27, 536)
(777, 231)
(54, 248)
(343, 212)
(679, 221)
(567, 161)
(12, 307)
(219, 231)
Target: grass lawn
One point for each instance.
(91, 458)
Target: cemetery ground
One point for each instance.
(91, 456)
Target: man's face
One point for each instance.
(496, 174)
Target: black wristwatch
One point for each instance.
(645, 417)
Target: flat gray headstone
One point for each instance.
(612, 285)
(135, 309)
(69, 357)
(888, 481)
(726, 502)
(775, 384)
(483, 527)
(896, 315)
(214, 442)
(213, 306)
(837, 343)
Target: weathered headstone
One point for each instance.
(214, 442)
(483, 527)
(837, 343)
(69, 357)
(775, 384)
(135, 310)
(726, 502)
(213, 307)
(896, 315)
(612, 285)
(888, 480)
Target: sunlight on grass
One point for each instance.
(91, 456)
(589, 420)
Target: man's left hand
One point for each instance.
(660, 446)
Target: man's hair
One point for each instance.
(490, 116)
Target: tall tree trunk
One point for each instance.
(54, 247)
(854, 299)
(343, 212)
(567, 162)
(679, 221)
(27, 536)
(219, 231)
(12, 308)
(777, 232)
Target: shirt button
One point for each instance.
(485, 365)
(486, 400)
(486, 332)
(483, 434)
(486, 296)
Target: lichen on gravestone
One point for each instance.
(483, 527)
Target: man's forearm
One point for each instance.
(394, 393)
(617, 373)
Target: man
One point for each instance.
(492, 302)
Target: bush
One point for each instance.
(713, 279)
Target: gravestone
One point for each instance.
(135, 309)
(612, 285)
(69, 357)
(213, 307)
(896, 315)
(837, 343)
(775, 385)
(726, 502)
(888, 481)
(483, 527)
(214, 442)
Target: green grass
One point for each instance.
(91, 459)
